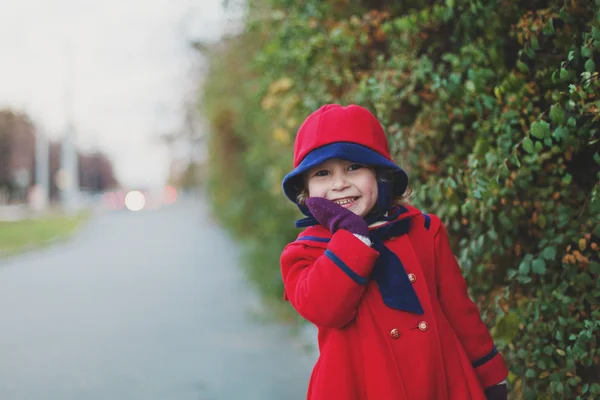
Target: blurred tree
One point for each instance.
(95, 172)
(17, 155)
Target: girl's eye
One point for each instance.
(322, 172)
(354, 167)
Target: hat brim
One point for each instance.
(293, 182)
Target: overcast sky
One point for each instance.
(127, 65)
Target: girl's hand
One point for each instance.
(497, 392)
(333, 216)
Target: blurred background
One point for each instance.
(99, 98)
(115, 280)
(154, 136)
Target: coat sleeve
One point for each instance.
(326, 287)
(464, 316)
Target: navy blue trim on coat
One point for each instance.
(427, 221)
(347, 270)
(315, 239)
(486, 358)
(402, 209)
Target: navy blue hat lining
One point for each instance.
(345, 151)
(293, 182)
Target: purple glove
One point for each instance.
(497, 392)
(333, 216)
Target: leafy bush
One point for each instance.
(491, 108)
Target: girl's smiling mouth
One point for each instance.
(346, 201)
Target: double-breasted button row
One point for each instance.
(423, 326)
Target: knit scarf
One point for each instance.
(396, 289)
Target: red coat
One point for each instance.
(369, 351)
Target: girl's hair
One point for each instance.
(383, 175)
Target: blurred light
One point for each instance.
(62, 179)
(135, 200)
(169, 195)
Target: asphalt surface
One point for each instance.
(142, 306)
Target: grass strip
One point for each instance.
(19, 236)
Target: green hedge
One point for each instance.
(490, 106)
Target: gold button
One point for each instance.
(412, 278)
(423, 326)
(395, 333)
(393, 238)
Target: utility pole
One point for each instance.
(42, 172)
(68, 176)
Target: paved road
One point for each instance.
(148, 305)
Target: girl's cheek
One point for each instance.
(315, 189)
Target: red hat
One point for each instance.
(349, 133)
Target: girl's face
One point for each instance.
(352, 185)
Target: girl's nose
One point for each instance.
(339, 182)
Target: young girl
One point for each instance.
(378, 279)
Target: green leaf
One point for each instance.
(560, 133)
(549, 253)
(530, 373)
(573, 381)
(557, 114)
(528, 145)
(585, 51)
(540, 129)
(505, 221)
(530, 52)
(538, 266)
(564, 74)
(522, 66)
(539, 146)
(507, 328)
(524, 267)
(590, 66)
(542, 218)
